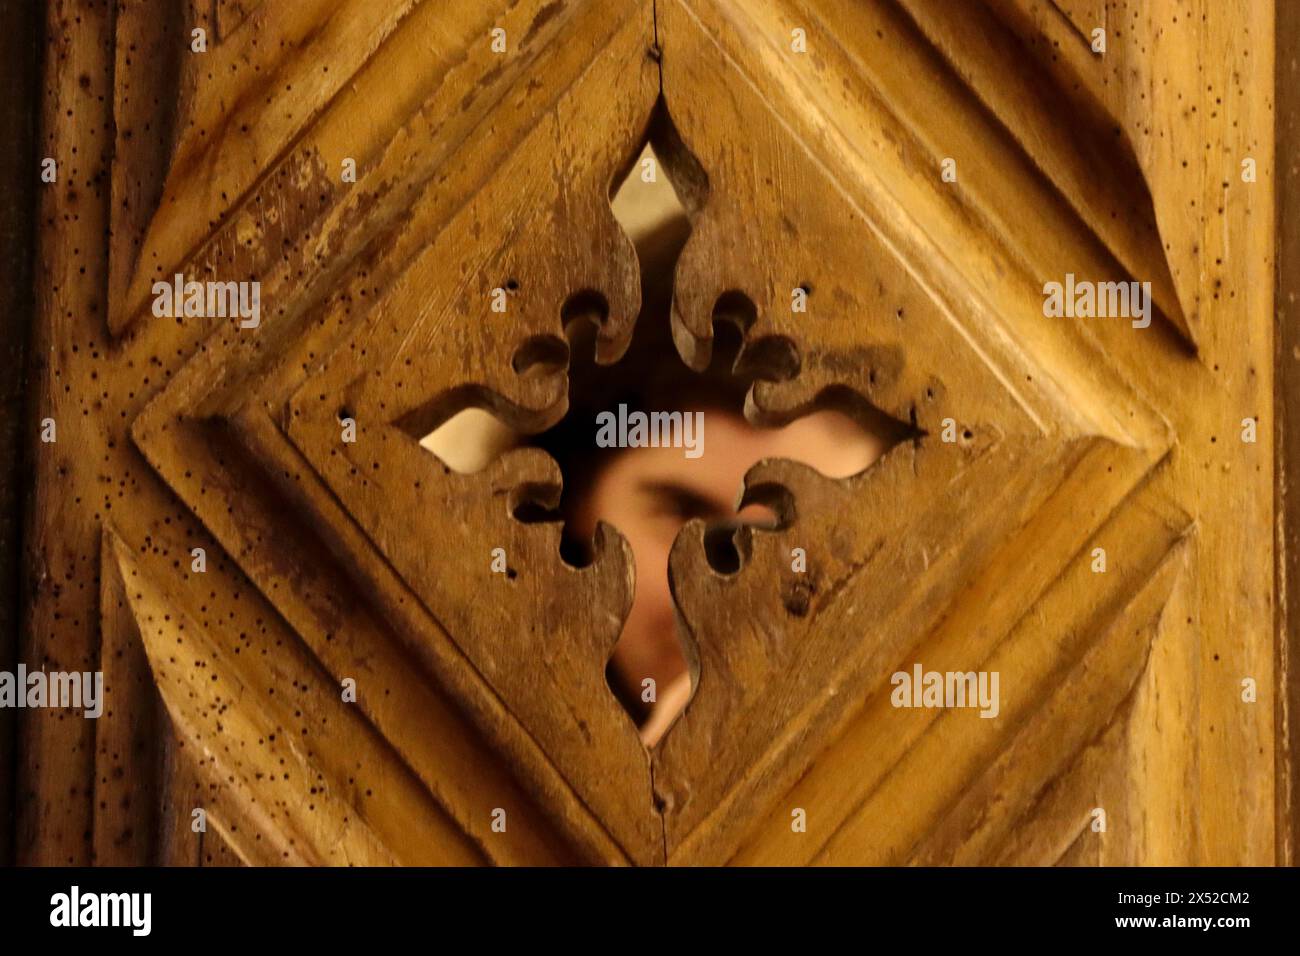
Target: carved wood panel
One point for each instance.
(809, 141)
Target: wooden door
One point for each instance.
(1084, 505)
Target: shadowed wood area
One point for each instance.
(19, 74)
(297, 609)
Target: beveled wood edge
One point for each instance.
(1286, 403)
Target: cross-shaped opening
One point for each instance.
(649, 489)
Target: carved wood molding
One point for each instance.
(367, 559)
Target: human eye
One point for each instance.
(682, 503)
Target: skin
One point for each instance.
(649, 493)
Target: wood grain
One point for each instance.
(478, 170)
(1287, 414)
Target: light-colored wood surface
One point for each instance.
(1287, 414)
(479, 170)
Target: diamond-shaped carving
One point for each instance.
(483, 172)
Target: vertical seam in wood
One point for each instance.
(659, 50)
